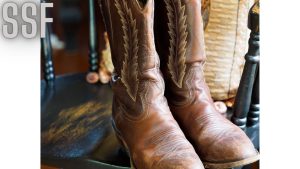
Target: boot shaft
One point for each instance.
(130, 30)
(141, 116)
(179, 36)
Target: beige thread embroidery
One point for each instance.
(129, 72)
(175, 151)
(145, 94)
(178, 40)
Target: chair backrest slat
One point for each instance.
(93, 53)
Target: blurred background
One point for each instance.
(70, 35)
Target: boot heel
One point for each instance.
(123, 144)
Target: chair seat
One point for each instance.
(80, 164)
(76, 118)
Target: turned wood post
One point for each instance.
(47, 56)
(244, 94)
(93, 42)
(253, 115)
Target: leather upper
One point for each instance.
(141, 114)
(180, 42)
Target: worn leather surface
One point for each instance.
(182, 53)
(141, 114)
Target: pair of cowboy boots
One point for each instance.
(142, 116)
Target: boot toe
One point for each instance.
(184, 157)
(233, 148)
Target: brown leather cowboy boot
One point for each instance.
(180, 44)
(141, 116)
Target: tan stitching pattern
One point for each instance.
(178, 40)
(129, 72)
(169, 146)
(219, 131)
(144, 109)
(144, 95)
(194, 72)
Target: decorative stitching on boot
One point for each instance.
(144, 98)
(178, 40)
(129, 72)
(169, 146)
(125, 114)
(142, 108)
(193, 73)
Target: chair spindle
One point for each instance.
(253, 115)
(244, 94)
(93, 53)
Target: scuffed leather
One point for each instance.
(215, 139)
(145, 125)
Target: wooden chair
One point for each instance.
(76, 127)
(76, 130)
